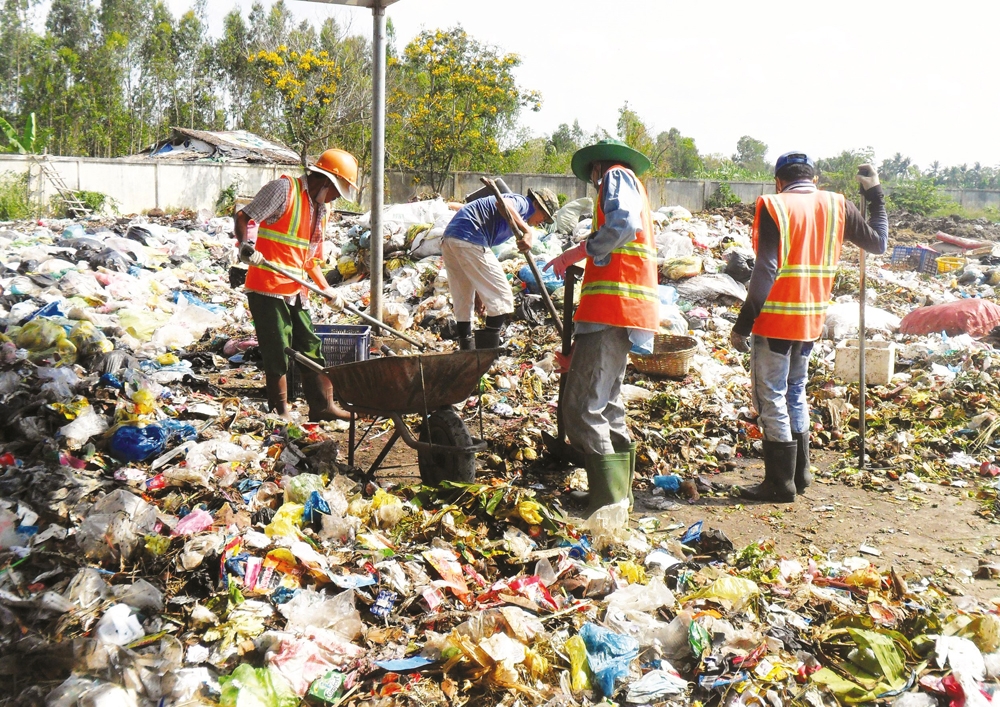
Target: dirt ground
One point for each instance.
(931, 533)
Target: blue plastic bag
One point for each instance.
(549, 279)
(609, 655)
(134, 443)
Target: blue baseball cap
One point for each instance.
(793, 158)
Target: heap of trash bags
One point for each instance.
(163, 540)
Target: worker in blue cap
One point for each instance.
(797, 236)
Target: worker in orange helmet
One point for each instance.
(284, 225)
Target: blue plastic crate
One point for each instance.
(341, 343)
(906, 257)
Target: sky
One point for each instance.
(916, 78)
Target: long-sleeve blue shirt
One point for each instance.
(622, 203)
(480, 222)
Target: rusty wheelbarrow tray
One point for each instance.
(425, 384)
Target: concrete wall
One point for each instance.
(140, 186)
(689, 193)
(143, 185)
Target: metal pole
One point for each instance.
(378, 156)
(862, 384)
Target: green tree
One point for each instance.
(896, 168)
(750, 154)
(679, 153)
(634, 133)
(305, 84)
(839, 173)
(455, 105)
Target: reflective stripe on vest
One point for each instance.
(285, 242)
(811, 232)
(624, 292)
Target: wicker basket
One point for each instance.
(671, 356)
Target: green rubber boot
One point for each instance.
(630, 448)
(608, 476)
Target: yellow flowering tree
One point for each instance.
(452, 104)
(306, 86)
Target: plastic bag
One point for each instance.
(609, 525)
(77, 691)
(842, 320)
(89, 340)
(579, 671)
(551, 281)
(87, 424)
(609, 655)
(670, 245)
(298, 488)
(309, 608)
(256, 687)
(114, 526)
(8, 530)
(569, 215)
(680, 268)
(708, 289)
(739, 265)
(196, 521)
(672, 320)
(642, 598)
(135, 443)
(140, 595)
(975, 317)
(118, 626)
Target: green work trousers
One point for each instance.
(279, 325)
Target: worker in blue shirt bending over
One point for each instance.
(474, 269)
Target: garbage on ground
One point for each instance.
(165, 540)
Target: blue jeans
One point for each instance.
(778, 371)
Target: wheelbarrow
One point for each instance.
(426, 385)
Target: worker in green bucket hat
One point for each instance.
(618, 313)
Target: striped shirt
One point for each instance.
(270, 203)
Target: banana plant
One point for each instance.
(25, 143)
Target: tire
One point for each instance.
(445, 427)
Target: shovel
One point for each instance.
(502, 208)
(557, 446)
(347, 308)
(862, 383)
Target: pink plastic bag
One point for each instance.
(975, 317)
(194, 522)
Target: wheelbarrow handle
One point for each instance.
(347, 308)
(532, 265)
(304, 360)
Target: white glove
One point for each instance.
(867, 177)
(246, 252)
(334, 300)
(256, 259)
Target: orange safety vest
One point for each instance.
(624, 292)
(285, 242)
(811, 229)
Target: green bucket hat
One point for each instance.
(609, 150)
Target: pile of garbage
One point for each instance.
(164, 540)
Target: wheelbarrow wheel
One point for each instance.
(446, 428)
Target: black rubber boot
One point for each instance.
(466, 343)
(803, 477)
(608, 479)
(779, 474)
(487, 338)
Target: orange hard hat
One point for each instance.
(342, 169)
